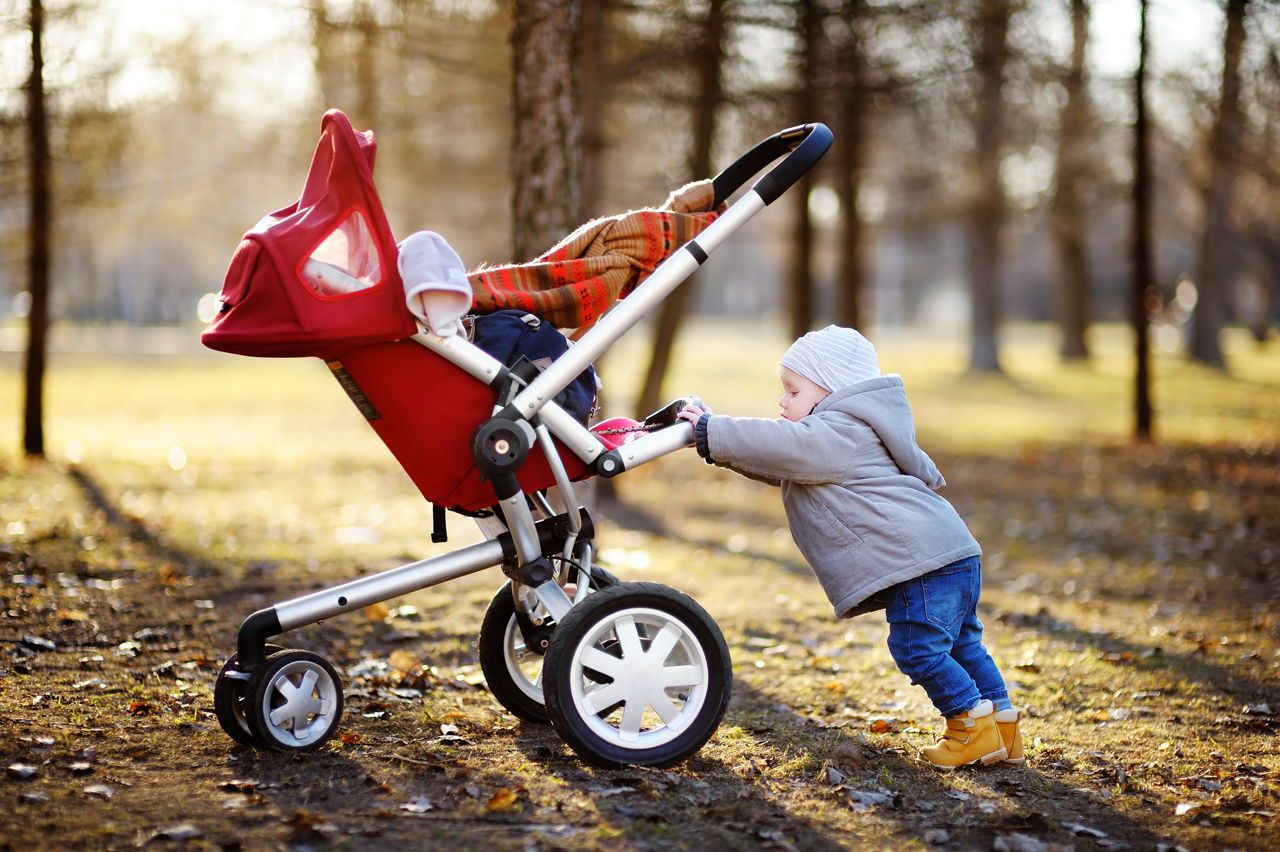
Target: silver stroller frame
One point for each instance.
(523, 418)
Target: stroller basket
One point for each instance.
(631, 673)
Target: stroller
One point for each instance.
(627, 673)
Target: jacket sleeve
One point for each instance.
(808, 452)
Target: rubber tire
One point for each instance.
(493, 660)
(257, 688)
(581, 620)
(228, 703)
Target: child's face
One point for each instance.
(799, 395)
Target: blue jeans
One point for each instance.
(935, 637)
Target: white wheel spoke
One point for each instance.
(664, 707)
(628, 637)
(606, 696)
(308, 683)
(286, 689)
(279, 714)
(681, 676)
(662, 644)
(602, 661)
(632, 711)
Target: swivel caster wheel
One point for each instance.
(293, 701)
(512, 669)
(638, 674)
(229, 700)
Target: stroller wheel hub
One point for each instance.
(502, 445)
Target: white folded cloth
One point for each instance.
(435, 282)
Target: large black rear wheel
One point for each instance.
(638, 674)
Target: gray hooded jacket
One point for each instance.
(858, 490)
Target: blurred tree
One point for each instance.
(990, 31)
(853, 101)
(41, 226)
(1218, 246)
(546, 146)
(809, 23)
(594, 95)
(1068, 203)
(1143, 283)
(1261, 195)
(328, 64)
(708, 59)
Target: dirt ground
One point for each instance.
(1131, 598)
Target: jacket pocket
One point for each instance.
(830, 524)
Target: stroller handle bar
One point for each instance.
(805, 144)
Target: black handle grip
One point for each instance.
(806, 144)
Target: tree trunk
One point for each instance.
(1068, 202)
(801, 283)
(706, 103)
(327, 63)
(546, 146)
(41, 228)
(1218, 247)
(850, 154)
(594, 89)
(986, 216)
(1143, 278)
(1268, 248)
(366, 24)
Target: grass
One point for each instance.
(1130, 597)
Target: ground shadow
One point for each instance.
(1024, 800)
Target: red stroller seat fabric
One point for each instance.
(319, 276)
(428, 421)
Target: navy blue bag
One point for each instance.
(512, 335)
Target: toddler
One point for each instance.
(860, 497)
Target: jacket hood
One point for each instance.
(882, 404)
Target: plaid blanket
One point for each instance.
(573, 284)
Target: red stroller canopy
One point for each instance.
(319, 276)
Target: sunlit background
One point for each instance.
(179, 124)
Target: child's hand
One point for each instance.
(694, 410)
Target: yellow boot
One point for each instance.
(969, 738)
(1007, 723)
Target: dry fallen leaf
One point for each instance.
(377, 612)
(403, 660)
(70, 615)
(502, 798)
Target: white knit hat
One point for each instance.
(833, 357)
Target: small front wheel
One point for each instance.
(230, 697)
(639, 675)
(294, 701)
